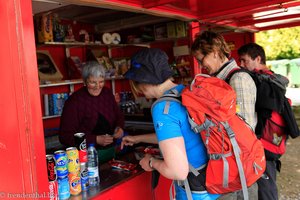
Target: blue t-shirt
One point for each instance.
(176, 124)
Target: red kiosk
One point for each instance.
(22, 145)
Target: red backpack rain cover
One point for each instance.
(235, 162)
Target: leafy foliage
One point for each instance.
(280, 43)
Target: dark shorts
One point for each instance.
(267, 188)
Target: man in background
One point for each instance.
(252, 57)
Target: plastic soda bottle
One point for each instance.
(93, 170)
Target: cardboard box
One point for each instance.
(48, 71)
(44, 24)
(171, 30)
(181, 50)
(180, 29)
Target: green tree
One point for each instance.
(280, 43)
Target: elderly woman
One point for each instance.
(213, 55)
(92, 110)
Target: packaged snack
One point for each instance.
(118, 164)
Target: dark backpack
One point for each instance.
(275, 118)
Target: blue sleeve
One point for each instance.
(168, 125)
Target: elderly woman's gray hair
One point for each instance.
(94, 69)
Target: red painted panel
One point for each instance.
(138, 188)
(23, 169)
(124, 52)
(194, 30)
(151, 3)
(122, 85)
(166, 46)
(236, 40)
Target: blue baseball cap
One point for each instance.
(149, 66)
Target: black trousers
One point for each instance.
(267, 188)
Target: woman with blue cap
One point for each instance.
(181, 148)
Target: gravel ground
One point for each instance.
(288, 180)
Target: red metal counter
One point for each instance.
(123, 185)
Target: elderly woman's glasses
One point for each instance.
(94, 83)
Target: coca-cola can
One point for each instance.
(80, 143)
(51, 171)
(53, 190)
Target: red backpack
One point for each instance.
(236, 156)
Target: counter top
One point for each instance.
(110, 178)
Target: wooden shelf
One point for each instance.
(74, 44)
(59, 83)
(51, 116)
(115, 78)
(73, 82)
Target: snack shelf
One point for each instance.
(59, 83)
(51, 116)
(74, 44)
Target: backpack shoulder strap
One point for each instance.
(277, 79)
(236, 70)
(173, 95)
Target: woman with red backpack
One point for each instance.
(213, 55)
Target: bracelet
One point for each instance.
(150, 162)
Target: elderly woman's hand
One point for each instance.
(118, 133)
(104, 140)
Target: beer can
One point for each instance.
(63, 188)
(61, 163)
(84, 176)
(80, 143)
(73, 159)
(53, 190)
(50, 163)
(75, 183)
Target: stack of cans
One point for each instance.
(51, 171)
(62, 174)
(74, 170)
(68, 171)
(80, 143)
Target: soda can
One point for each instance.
(50, 163)
(73, 159)
(80, 143)
(53, 190)
(75, 183)
(63, 188)
(84, 176)
(61, 163)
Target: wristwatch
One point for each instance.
(150, 162)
